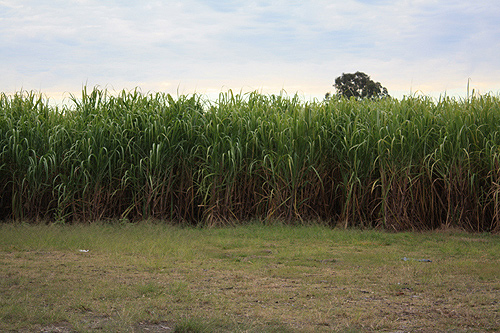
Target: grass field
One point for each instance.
(153, 277)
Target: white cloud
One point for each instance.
(207, 45)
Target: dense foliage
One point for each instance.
(401, 164)
(359, 85)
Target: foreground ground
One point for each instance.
(158, 278)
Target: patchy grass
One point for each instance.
(253, 278)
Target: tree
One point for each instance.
(358, 85)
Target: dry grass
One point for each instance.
(151, 277)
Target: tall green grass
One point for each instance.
(414, 163)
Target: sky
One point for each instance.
(429, 47)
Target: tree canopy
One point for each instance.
(358, 85)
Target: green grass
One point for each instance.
(410, 164)
(253, 277)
